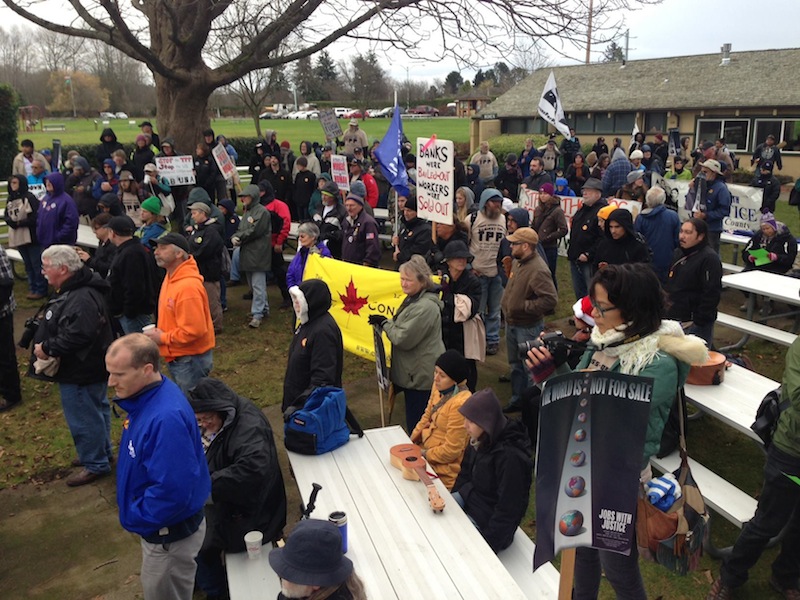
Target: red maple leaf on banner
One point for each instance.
(352, 302)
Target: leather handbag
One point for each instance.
(674, 539)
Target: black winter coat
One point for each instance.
(100, 262)
(316, 354)
(415, 238)
(206, 245)
(247, 490)
(630, 248)
(782, 243)
(133, 291)
(694, 285)
(585, 233)
(76, 327)
(468, 285)
(495, 482)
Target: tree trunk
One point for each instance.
(182, 111)
(257, 122)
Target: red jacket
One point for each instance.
(372, 189)
(280, 208)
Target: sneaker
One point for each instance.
(83, 477)
(247, 296)
(719, 591)
(788, 593)
(254, 323)
(7, 404)
(35, 296)
(491, 349)
(232, 283)
(76, 462)
(504, 378)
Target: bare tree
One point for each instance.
(175, 38)
(58, 51)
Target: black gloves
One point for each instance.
(378, 320)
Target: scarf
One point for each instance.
(636, 355)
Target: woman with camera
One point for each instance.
(630, 336)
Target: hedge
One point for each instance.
(9, 105)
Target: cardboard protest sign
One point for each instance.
(588, 460)
(339, 171)
(435, 180)
(330, 124)
(177, 170)
(224, 162)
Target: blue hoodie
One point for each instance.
(162, 474)
(562, 187)
(57, 220)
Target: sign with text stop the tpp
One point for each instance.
(435, 180)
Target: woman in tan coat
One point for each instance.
(440, 432)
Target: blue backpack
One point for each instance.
(323, 424)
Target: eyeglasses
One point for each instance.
(516, 243)
(602, 310)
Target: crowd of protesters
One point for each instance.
(167, 255)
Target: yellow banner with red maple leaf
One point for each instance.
(356, 293)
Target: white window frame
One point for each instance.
(721, 131)
(780, 136)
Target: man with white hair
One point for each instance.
(185, 331)
(660, 227)
(69, 348)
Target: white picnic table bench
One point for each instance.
(400, 547)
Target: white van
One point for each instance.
(340, 111)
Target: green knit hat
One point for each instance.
(152, 204)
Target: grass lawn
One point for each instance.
(87, 131)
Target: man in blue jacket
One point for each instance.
(717, 204)
(162, 475)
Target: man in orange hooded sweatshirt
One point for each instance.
(185, 332)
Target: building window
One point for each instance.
(584, 123)
(736, 132)
(517, 126)
(784, 130)
(603, 123)
(655, 122)
(624, 121)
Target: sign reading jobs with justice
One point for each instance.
(435, 180)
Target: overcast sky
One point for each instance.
(672, 28)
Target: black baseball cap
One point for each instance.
(174, 239)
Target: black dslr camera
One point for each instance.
(559, 346)
(31, 325)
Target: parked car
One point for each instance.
(107, 115)
(353, 114)
(424, 109)
(340, 111)
(121, 115)
(269, 115)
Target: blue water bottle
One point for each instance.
(339, 519)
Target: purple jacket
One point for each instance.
(294, 276)
(57, 220)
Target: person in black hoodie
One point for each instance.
(585, 234)
(494, 484)
(20, 216)
(108, 143)
(415, 235)
(76, 331)
(100, 260)
(621, 244)
(316, 354)
(206, 245)
(247, 489)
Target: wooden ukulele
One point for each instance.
(408, 458)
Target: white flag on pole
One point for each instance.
(550, 107)
(633, 134)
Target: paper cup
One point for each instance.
(148, 328)
(252, 541)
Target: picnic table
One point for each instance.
(399, 546)
(771, 286)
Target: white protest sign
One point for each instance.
(177, 170)
(330, 124)
(745, 213)
(224, 162)
(435, 178)
(339, 172)
(37, 189)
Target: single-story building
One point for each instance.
(472, 102)
(739, 96)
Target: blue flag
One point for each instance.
(390, 155)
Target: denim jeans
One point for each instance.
(552, 261)
(491, 295)
(235, 275)
(520, 377)
(134, 324)
(778, 507)
(581, 276)
(703, 331)
(88, 415)
(187, 370)
(259, 307)
(32, 257)
(621, 571)
(416, 401)
(223, 294)
(714, 238)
